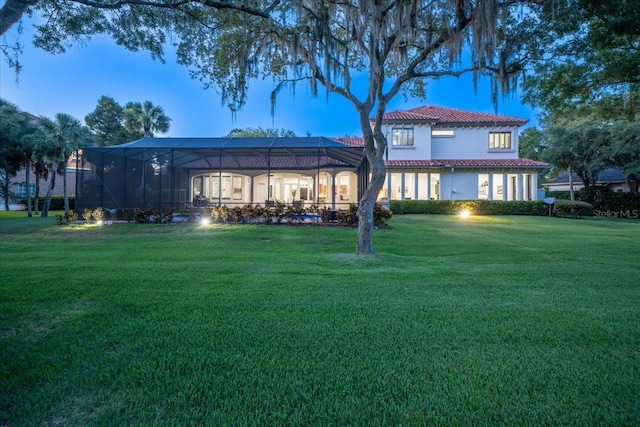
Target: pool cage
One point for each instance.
(159, 172)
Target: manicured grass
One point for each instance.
(490, 321)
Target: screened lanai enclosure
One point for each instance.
(195, 172)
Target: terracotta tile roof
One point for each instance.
(471, 163)
(449, 116)
(351, 141)
(33, 119)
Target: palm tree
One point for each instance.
(62, 137)
(41, 172)
(15, 146)
(145, 117)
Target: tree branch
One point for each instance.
(12, 10)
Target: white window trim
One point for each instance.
(413, 141)
(502, 150)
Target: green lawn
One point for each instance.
(491, 321)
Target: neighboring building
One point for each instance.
(19, 182)
(612, 178)
(433, 153)
(19, 186)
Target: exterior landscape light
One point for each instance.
(465, 214)
(205, 221)
(99, 222)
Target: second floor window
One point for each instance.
(500, 141)
(402, 137)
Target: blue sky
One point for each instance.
(72, 83)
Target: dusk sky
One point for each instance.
(72, 83)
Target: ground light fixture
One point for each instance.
(205, 221)
(464, 214)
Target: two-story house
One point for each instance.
(444, 153)
(433, 153)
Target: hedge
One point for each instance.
(602, 199)
(574, 208)
(57, 203)
(477, 207)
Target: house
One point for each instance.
(437, 153)
(612, 178)
(433, 153)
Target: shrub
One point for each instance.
(477, 207)
(575, 209)
(128, 214)
(87, 214)
(220, 214)
(279, 211)
(348, 217)
(98, 214)
(143, 215)
(236, 214)
(381, 215)
(71, 216)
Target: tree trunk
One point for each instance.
(572, 194)
(52, 184)
(6, 184)
(375, 155)
(364, 244)
(37, 197)
(12, 11)
(64, 186)
(27, 180)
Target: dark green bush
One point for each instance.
(57, 203)
(71, 217)
(381, 215)
(348, 217)
(476, 207)
(575, 209)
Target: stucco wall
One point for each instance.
(472, 143)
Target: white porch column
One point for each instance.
(534, 185)
(402, 184)
(505, 186)
(519, 188)
(429, 186)
(333, 190)
(389, 187)
(251, 190)
(490, 189)
(417, 183)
